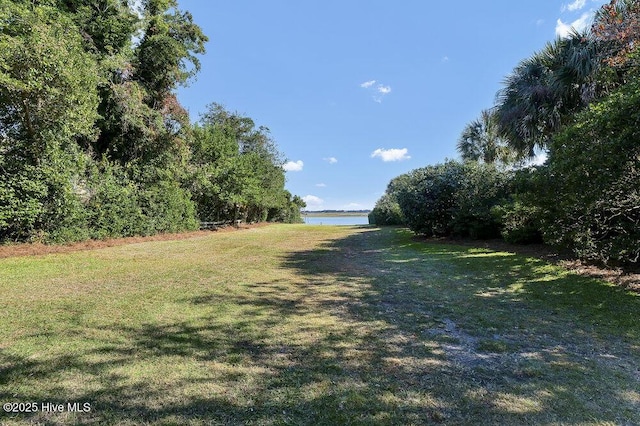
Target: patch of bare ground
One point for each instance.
(626, 278)
(37, 249)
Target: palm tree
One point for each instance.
(480, 141)
(544, 90)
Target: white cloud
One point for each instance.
(445, 59)
(321, 185)
(576, 5)
(331, 160)
(391, 154)
(563, 30)
(313, 201)
(293, 166)
(378, 92)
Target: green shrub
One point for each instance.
(453, 199)
(168, 208)
(21, 206)
(481, 187)
(520, 222)
(113, 204)
(386, 212)
(592, 205)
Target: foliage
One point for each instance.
(452, 199)
(387, 211)
(47, 82)
(617, 28)
(41, 203)
(427, 198)
(520, 216)
(595, 175)
(93, 141)
(168, 207)
(481, 187)
(237, 170)
(20, 206)
(113, 205)
(291, 212)
(481, 141)
(543, 92)
(171, 41)
(106, 26)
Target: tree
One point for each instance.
(106, 26)
(237, 168)
(47, 82)
(544, 91)
(481, 141)
(616, 27)
(427, 198)
(166, 56)
(447, 199)
(387, 211)
(592, 203)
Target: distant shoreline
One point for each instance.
(333, 213)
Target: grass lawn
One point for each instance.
(299, 324)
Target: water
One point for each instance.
(336, 220)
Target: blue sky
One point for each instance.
(358, 92)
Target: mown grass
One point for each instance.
(295, 324)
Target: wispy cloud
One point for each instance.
(331, 160)
(378, 91)
(445, 59)
(293, 166)
(313, 201)
(321, 185)
(563, 30)
(576, 5)
(391, 154)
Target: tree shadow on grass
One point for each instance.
(376, 329)
(528, 344)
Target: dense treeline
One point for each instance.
(577, 101)
(93, 141)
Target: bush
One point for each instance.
(520, 216)
(167, 208)
(113, 204)
(427, 198)
(482, 186)
(386, 212)
(21, 206)
(40, 203)
(453, 199)
(594, 179)
(520, 222)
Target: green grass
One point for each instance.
(299, 324)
